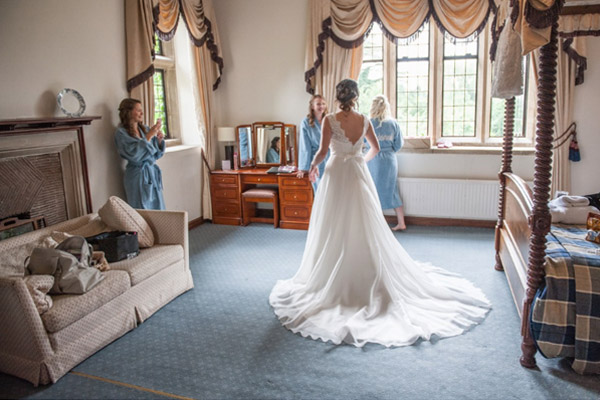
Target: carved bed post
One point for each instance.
(507, 147)
(540, 218)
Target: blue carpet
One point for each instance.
(222, 340)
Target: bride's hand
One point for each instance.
(313, 174)
(300, 174)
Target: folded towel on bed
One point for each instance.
(571, 201)
(570, 215)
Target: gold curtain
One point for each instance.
(198, 17)
(335, 63)
(208, 68)
(342, 24)
(140, 46)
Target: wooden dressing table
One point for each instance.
(295, 196)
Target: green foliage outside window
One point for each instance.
(160, 103)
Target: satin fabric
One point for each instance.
(142, 178)
(384, 167)
(356, 284)
(310, 140)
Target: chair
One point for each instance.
(262, 195)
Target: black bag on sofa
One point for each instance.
(116, 245)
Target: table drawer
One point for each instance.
(225, 193)
(301, 196)
(227, 210)
(294, 182)
(295, 212)
(268, 179)
(224, 179)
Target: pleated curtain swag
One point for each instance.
(347, 22)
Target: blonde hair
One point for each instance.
(380, 108)
(311, 113)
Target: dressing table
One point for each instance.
(254, 158)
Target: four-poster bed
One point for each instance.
(523, 217)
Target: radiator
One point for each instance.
(450, 198)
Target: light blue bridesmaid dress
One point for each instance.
(384, 167)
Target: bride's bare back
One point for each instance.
(352, 123)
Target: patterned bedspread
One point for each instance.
(565, 317)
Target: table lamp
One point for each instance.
(227, 134)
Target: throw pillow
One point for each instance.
(38, 286)
(120, 216)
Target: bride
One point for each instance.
(356, 283)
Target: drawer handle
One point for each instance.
(295, 182)
(224, 193)
(295, 212)
(259, 179)
(295, 197)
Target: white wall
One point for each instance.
(52, 44)
(584, 174)
(263, 48)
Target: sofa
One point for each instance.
(41, 347)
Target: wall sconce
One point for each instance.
(227, 134)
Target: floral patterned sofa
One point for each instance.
(41, 348)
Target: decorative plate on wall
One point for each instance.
(71, 103)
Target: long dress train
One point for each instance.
(356, 283)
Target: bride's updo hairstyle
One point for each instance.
(346, 92)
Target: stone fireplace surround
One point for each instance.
(43, 168)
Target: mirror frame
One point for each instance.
(274, 124)
(295, 145)
(252, 160)
(283, 158)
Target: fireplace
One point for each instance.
(43, 171)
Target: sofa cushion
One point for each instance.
(39, 286)
(69, 308)
(119, 215)
(149, 262)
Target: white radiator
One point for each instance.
(450, 198)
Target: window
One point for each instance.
(371, 73)
(165, 88)
(439, 87)
(412, 85)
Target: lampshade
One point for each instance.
(226, 134)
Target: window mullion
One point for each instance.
(389, 73)
(436, 74)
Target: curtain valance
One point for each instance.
(350, 19)
(347, 22)
(144, 18)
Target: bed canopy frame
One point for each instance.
(523, 215)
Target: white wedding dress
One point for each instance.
(356, 283)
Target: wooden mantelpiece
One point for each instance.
(20, 125)
(62, 140)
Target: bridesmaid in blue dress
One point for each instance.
(384, 167)
(310, 137)
(141, 147)
(273, 153)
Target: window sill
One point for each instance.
(525, 151)
(180, 147)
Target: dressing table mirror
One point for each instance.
(291, 145)
(266, 144)
(269, 142)
(245, 145)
